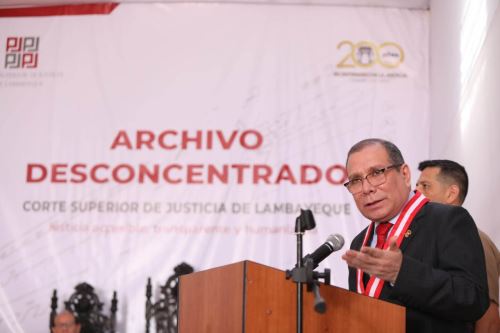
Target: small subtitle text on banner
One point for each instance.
(177, 208)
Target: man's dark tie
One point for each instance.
(382, 230)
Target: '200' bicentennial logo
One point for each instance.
(366, 54)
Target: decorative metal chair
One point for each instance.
(87, 307)
(164, 311)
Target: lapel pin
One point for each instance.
(408, 233)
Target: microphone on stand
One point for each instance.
(333, 243)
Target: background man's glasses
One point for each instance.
(375, 178)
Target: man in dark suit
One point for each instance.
(447, 182)
(424, 256)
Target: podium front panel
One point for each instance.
(248, 297)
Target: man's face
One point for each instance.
(383, 202)
(429, 185)
(65, 323)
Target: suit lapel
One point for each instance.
(413, 228)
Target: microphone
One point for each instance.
(333, 243)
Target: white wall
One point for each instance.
(465, 98)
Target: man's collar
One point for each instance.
(395, 218)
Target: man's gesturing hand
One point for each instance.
(384, 264)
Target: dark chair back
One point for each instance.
(86, 306)
(164, 310)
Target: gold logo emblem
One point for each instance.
(367, 54)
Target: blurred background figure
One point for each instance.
(65, 322)
(446, 182)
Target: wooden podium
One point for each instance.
(253, 298)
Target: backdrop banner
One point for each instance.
(165, 133)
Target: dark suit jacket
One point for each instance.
(442, 281)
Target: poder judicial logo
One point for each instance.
(21, 52)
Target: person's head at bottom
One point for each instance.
(65, 322)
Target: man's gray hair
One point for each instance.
(393, 151)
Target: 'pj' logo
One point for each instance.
(22, 52)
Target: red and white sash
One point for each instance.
(412, 207)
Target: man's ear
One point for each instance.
(452, 194)
(405, 171)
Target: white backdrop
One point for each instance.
(465, 74)
(229, 102)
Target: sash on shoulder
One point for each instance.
(403, 222)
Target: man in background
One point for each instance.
(423, 255)
(446, 182)
(65, 322)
